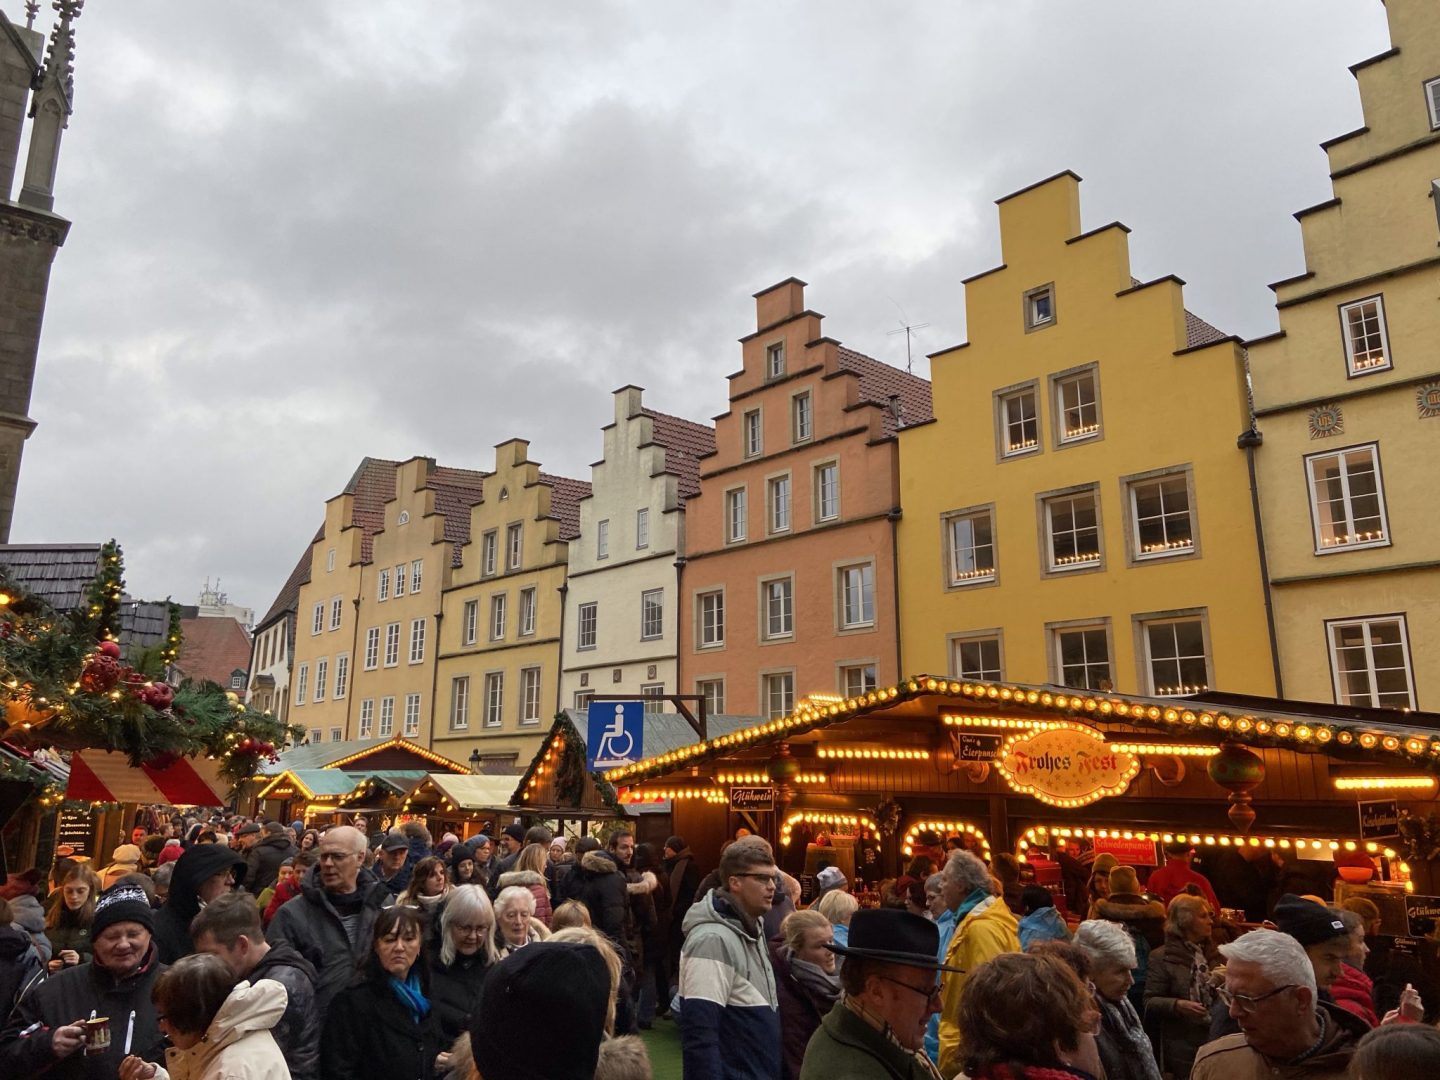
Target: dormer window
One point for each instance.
(1040, 308)
(775, 360)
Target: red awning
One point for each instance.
(97, 776)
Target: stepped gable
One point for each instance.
(879, 382)
(565, 496)
(456, 491)
(685, 443)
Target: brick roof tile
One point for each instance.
(565, 496)
(685, 443)
(879, 381)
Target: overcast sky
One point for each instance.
(304, 233)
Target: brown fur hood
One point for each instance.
(520, 877)
(599, 862)
(1128, 907)
(624, 1058)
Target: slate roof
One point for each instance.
(565, 496)
(212, 648)
(685, 443)
(878, 382)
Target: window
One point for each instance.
(330, 561)
(342, 674)
(494, 698)
(602, 539)
(514, 545)
(1082, 657)
(400, 580)
(1019, 420)
(1175, 657)
(367, 718)
(1367, 347)
(417, 570)
(372, 648)
(334, 734)
(775, 360)
(1040, 307)
(489, 547)
(857, 595)
(302, 682)
(317, 620)
(460, 703)
(336, 607)
(642, 529)
(779, 691)
(1347, 499)
(754, 442)
(237, 682)
(857, 679)
(392, 644)
(469, 619)
(977, 658)
(412, 715)
(387, 717)
(653, 694)
(585, 632)
(417, 641)
(315, 735)
(970, 538)
(1370, 659)
(382, 586)
(652, 614)
(527, 612)
(1077, 406)
(777, 495)
(530, 695)
(711, 609)
(583, 699)
(735, 515)
(1432, 99)
(497, 617)
(802, 426)
(713, 691)
(1160, 517)
(827, 491)
(1073, 531)
(779, 608)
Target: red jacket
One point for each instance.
(284, 892)
(1170, 880)
(1354, 991)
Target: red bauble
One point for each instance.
(100, 674)
(158, 695)
(109, 648)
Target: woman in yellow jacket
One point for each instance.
(984, 929)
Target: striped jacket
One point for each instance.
(729, 1018)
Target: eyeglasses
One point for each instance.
(769, 879)
(1248, 1003)
(472, 931)
(335, 856)
(931, 994)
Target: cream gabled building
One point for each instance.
(1347, 400)
(500, 629)
(622, 596)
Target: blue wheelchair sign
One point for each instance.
(615, 734)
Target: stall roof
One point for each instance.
(312, 783)
(1387, 736)
(474, 792)
(362, 755)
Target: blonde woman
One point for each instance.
(623, 1058)
(838, 906)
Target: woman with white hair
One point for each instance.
(1124, 1047)
(515, 922)
(1178, 990)
(457, 971)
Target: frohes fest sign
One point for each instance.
(1065, 766)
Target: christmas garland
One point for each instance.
(65, 681)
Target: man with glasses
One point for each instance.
(1285, 1030)
(729, 1019)
(330, 922)
(892, 988)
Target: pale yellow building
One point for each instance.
(501, 622)
(1078, 511)
(1347, 399)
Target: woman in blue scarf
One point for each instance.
(384, 1024)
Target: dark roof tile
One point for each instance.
(879, 382)
(685, 443)
(565, 496)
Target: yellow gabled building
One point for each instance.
(1347, 398)
(498, 671)
(1078, 511)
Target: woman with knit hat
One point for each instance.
(125, 859)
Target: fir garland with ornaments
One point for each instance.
(66, 682)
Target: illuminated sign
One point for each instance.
(1069, 766)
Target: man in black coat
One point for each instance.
(262, 862)
(230, 929)
(596, 881)
(679, 863)
(42, 1036)
(203, 874)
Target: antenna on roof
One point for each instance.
(907, 328)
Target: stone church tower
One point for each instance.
(30, 232)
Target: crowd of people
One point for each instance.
(248, 949)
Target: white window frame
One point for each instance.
(779, 506)
(469, 622)
(737, 513)
(494, 698)
(499, 602)
(1057, 636)
(1034, 319)
(314, 735)
(317, 618)
(752, 433)
(642, 528)
(330, 561)
(587, 612)
(417, 641)
(1366, 622)
(652, 614)
(1091, 560)
(1008, 447)
(302, 683)
(367, 718)
(1353, 367)
(1088, 410)
(710, 619)
(1166, 548)
(372, 648)
(460, 703)
(412, 716)
(981, 638)
(852, 584)
(382, 586)
(392, 644)
(1368, 538)
(400, 581)
(963, 572)
(342, 675)
(652, 694)
(529, 696)
(802, 418)
(777, 608)
(1432, 102)
(514, 545)
(1146, 623)
(869, 678)
(337, 612)
(827, 508)
(525, 623)
(713, 691)
(335, 734)
(774, 360)
(417, 572)
(602, 539)
(387, 716)
(489, 552)
(770, 682)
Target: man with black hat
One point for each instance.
(45, 1035)
(263, 859)
(390, 861)
(877, 1028)
(203, 873)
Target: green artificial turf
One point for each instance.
(663, 1042)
